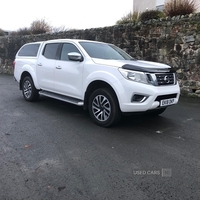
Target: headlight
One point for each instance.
(134, 75)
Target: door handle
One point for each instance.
(58, 67)
(40, 64)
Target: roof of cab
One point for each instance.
(72, 40)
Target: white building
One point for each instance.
(142, 5)
(7, 32)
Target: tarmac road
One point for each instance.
(51, 150)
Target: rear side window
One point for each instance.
(50, 50)
(29, 50)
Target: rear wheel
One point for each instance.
(104, 108)
(29, 91)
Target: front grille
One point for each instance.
(165, 79)
(168, 96)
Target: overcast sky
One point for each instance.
(77, 14)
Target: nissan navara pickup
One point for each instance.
(98, 76)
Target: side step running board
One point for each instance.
(62, 97)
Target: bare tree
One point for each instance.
(40, 26)
(59, 29)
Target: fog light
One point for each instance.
(139, 98)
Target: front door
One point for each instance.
(68, 74)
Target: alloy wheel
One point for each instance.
(101, 108)
(27, 88)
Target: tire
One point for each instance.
(104, 108)
(29, 91)
(157, 112)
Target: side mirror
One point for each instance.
(74, 56)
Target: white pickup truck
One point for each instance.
(98, 76)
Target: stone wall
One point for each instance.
(174, 41)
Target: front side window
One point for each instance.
(29, 50)
(50, 50)
(105, 51)
(68, 48)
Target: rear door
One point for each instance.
(68, 74)
(46, 66)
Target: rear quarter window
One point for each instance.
(29, 50)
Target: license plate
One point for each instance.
(167, 102)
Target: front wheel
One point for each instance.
(29, 91)
(104, 108)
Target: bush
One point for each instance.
(151, 14)
(37, 27)
(179, 7)
(40, 26)
(22, 31)
(129, 18)
(2, 33)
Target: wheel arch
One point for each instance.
(94, 85)
(23, 75)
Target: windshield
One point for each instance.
(105, 51)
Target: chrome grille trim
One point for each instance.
(161, 79)
(165, 79)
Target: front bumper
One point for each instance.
(154, 94)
